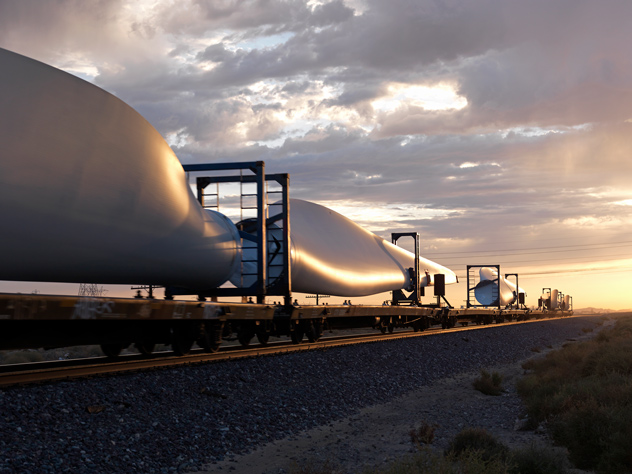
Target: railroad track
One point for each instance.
(39, 372)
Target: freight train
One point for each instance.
(90, 192)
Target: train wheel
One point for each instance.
(314, 330)
(181, 345)
(145, 348)
(182, 339)
(318, 330)
(309, 331)
(263, 338)
(244, 337)
(112, 350)
(211, 338)
(297, 335)
(390, 328)
(245, 332)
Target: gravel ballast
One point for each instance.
(176, 420)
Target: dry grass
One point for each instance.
(478, 440)
(472, 451)
(475, 451)
(428, 461)
(424, 434)
(489, 384)
(584, 393)
(536, 459)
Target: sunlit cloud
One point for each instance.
(602, 222)
(178, 139)
(303, 116)
(206, 66)
(383, 218)
(439, 97)
(84, 70)
(543, 131)
(469, 165)
(625, 202)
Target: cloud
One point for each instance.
(74, 35)
(247, 18)
(330, 92)
(543, 64)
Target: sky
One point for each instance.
(497, 129)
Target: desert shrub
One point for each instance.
(480, 441)
(489, 384)
(618, 457)
(474, 462)
(597, 437)
(582, 430)
(584, 392)
(534, 459)
(608, 359)
(424, 434)
(428, 461)
(475, 451)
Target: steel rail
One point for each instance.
(79, 368)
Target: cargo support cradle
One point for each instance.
(282, 285)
